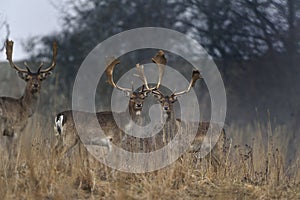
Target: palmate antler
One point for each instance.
(53, 63)
(109, 73)
(141, 74)
(195, 76)
(9, 51)
(161, 62)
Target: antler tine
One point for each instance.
(40, 67)
(141, 75)
(9, 51)
(27, 67)
(26, 64)
(53, 64)
(195, 76)
(161, 62)
(109, 73)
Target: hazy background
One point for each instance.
(27, 19)
(255, 44)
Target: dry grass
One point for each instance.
(252, 169)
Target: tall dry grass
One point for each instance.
(256, 164)
(260, 161)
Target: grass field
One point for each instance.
(261, 161)
(257, 165)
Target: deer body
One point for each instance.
(14, 113)
(67, 134)
(65, 126)
(172, 124)
(167, 111)
(66, 131)
(168, 118)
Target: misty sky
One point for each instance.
(27, 18)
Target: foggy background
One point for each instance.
(255, 44)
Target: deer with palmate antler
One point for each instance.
(14, 113)
(167, 101)
(172, 124)
(67, 135)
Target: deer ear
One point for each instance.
(157, 94)
(173, 98)
(144, 91)
(43, 76)
(23, 76)
(127, 93)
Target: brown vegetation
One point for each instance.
(255, 170)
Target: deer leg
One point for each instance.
(58, 146)
(85, 159)
(68, 148)
(164, 136)
(8, 132)
(84, 154)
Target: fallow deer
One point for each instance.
(135, 104)
(64, 123)
(14, 113)
(172, 124)
(166, 102)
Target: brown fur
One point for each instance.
(107, 121)
(15, 112)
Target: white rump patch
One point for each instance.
(58, 127)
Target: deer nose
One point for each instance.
(166, 108)
(138, 105)
(35, 85)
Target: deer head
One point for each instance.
(166, 101)
(33, 79)
(137, 97)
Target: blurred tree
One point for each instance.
(244, 29)
(235, 33)
(229, 30)
(87, 23)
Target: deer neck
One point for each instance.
(134, 114)
(168, 116)
(29, 101)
